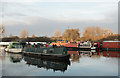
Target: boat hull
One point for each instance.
(111, 49)
(46, 56)
(81, 49)
(15, 50)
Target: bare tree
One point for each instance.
(24, 33)
(56, 33)
(2, 31)
(10, 35)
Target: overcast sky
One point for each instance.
(42, 17)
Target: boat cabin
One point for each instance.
(15, 45)
(111, 45)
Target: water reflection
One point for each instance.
(111, 53)
(47, 63)
(1, 58)
(89, 53)
(2, 54)
(74, 56)
(81, 62)
(15, 57)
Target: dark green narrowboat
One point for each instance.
(59, 53)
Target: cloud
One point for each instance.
(44, 18)
(14, 14)
(43, 26)
(60, 0)
(20, 0)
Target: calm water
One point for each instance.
(80, 64)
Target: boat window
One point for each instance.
(118, 54)
(16, 44)
(13, 46)
(51, 50)
(118, 44)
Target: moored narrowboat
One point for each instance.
(111, 46)
(14, 47)
(77, 46)
(84, 45)
(58, 53)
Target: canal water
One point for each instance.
(81, 63)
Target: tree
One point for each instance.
(93, 33)
(56, 33)
(99, 33)
(33, 36)
(24, 33)
(10, 35)
(71, 34)
(96, 33)
(2, 31)
(89, 33)
(108, 32)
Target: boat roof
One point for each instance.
(15, 42)
(111, 41)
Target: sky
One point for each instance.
(43, 17)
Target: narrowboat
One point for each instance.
(86, 46)
(14, 47)
(58, 53)
(111, 46)
(76, 46)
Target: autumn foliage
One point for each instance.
(96, 33)
(71, 34)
